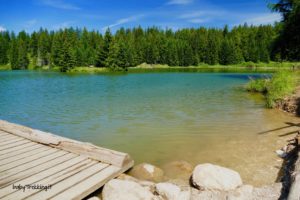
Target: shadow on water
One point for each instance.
(246, 76)
(286, 171)
(284, 174)
(289, 124)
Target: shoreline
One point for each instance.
(143, 68)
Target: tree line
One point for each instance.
(71, 47)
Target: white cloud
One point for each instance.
(123, 21)
(206, 13)
(198, 20)
(63, 25)
(263, 19)
(60, 4)
(198, 17)
(179, 2)
(30, 23)
(2, 29)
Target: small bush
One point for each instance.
(258, 85)
(281, 85)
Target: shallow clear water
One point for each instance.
(156, 117)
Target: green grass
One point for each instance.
(258, 85)
(5, 67)
(281, 85)
(89, 70)
(242, 67)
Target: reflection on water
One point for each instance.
(156, 117)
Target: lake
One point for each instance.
(155, 117)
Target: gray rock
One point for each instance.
(213, 177)
(94, 198)
(117, 189)
(271, 192)
(208, 195)
(242, 193)
(171, 191)
(147, 172)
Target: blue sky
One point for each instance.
(30, 15)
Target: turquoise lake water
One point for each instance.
(156, 117)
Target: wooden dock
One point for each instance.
(40, 165)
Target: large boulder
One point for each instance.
(146, 184)
(147, 172)
(170, 191)
(213, 177)
(117, 189)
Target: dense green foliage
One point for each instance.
(130, 47)
(258, 85)
(287, 45)
(282, 84)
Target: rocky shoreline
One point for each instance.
(207, 182)
(204, 182)
(290, 104)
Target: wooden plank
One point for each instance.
(11, 141)
(101, 154)
(8, 137)
(11, 178)
(28, 159)
(8, 146)
(66, 165)
(97, 153)
(27, 166)
(31, 134)
(91, 184)
(3, 152)
(24, 155)
(69, 182)
(3, 133)
(35, 147)
(5, 136)
(51, 180)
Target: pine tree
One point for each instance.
(112, 61)
(57, 50)
(229, 53)
(14, 53)
(23, 60)
(4, 47)
(212, 50)
(43, 48)
(104, 49)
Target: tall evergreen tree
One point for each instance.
(4, 47)
(212, 50)
(104, 49)
(287, 44)
(14, 53)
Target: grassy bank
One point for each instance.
(281, 85)
(242, 67)
(5, 67)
